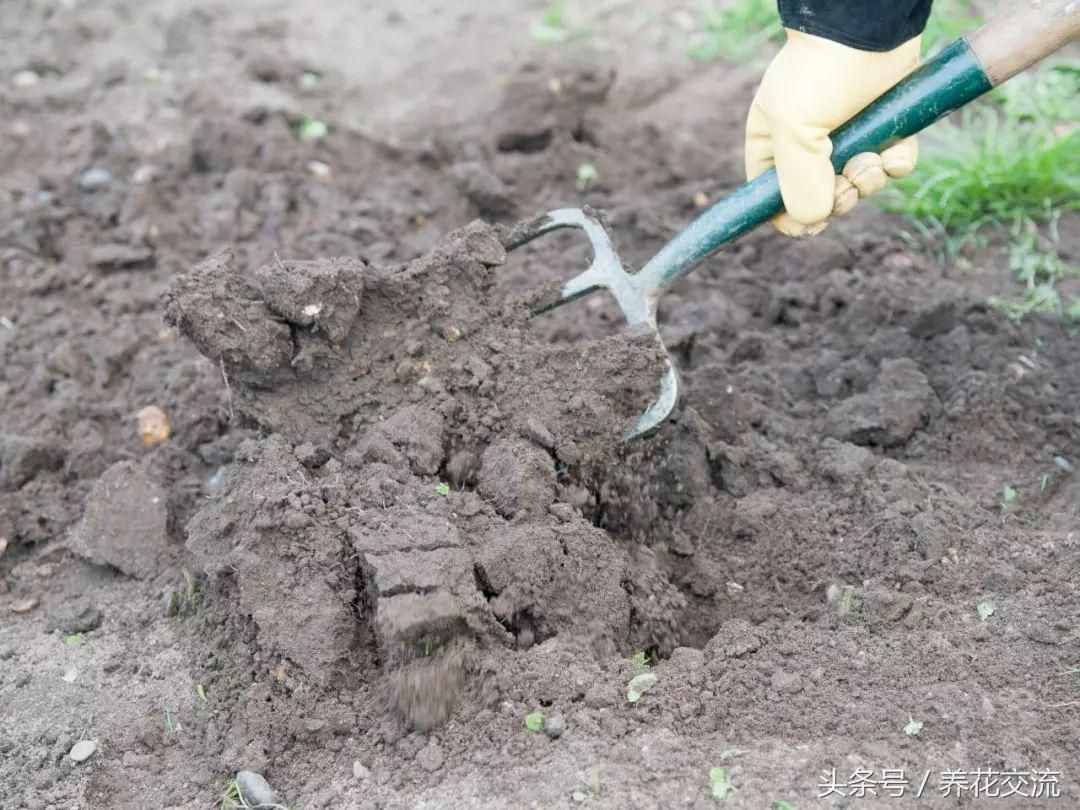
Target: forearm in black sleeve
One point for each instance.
(871, 25)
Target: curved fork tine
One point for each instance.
(525, 232)
(657, 413)
(606, 271)
(606, 262)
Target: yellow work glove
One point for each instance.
(810, 88)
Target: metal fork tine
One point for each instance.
(633, 298)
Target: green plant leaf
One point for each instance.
(555, 14)
(542, 32)
(639, 685)
(74, 639)
(554, 27)
(720, 783)
(312, 129)
(534, 722)
(780, 804)
(913, 727)
(442, 489)
(985, 609)
(587, 175)
(1072, 312)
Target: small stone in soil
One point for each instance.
(25, 78)
(554, 726)
(154, 427)
(360, 771)
(254, 789)
(311, 456)
(788, 683)
(125, 524)
(24, 605)
(579, 796)
(82, 750)
(431, 757)
(95, 179)
(143, 175)
(114, 256)
(74, 618)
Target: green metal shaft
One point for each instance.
(945, 83)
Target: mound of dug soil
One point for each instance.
(408, 502)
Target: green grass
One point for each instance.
(555, 25)
(1038, 272)
(738, 31)
(186, 599)
(232, 800)
(1008, 167)
(948, 20)
(991, 168)
(640, 662)
(1047, 95)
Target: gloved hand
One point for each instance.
(810, 88)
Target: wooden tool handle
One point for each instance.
(1021, 37)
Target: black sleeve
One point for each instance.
(870, 25)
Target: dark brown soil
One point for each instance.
(394, 516)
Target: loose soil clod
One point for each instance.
(426, 364)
